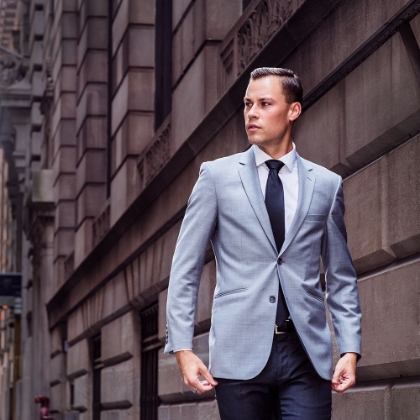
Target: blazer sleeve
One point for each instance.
(341, 280)
(188, 260)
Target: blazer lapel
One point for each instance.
(306, 189)
(249, 176)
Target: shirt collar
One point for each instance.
(288, 159)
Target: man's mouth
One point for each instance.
(252, 127)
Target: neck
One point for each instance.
(278, 150)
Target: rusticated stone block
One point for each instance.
(137, 49)
(404, 199)
(82, 393)
(64, 215)
(65, 187)
(119, 384)
(131, 12)
(390, 323)
(65, 109)
(58, 368)
(121, 337)
(93, 69)
(93, 102)
(171, 387)
(90, 201)
(64, 161)
(314, 60)
(65, 134)
(68, 51)
(203, 21)
(405, 399)
(93, 135)
(130, 414)
(58, 397)
(92, 168)
(92, 8)
(319, 131)
(179, 8)
(78, 358)
(366, 401)
(94, 36)
(199, 85)
(63, 242)
(131, 138)
(55, 341)
(83, 241)
(69, 27)
(125, 187)
(66, 80)
(134, 94)
(390, 109)
(205, 410)
(366, 198)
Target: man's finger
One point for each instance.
(207, 376)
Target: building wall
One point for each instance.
(111, 170)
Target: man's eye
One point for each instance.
(265, 103)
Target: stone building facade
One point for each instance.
(117, 103)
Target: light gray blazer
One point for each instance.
(227, 208)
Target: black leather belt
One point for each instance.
(286, 327)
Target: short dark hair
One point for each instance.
(292, 86)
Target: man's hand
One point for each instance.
(345, 373)
(192, 368)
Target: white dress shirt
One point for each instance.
(289, 177)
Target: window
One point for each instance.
(149, 400)
(96, 379)
(163, 61)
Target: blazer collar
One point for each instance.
(250, 181)
(306, 189)
(249, 176)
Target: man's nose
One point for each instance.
(252, 112)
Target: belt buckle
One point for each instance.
(277, 332)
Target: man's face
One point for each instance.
(268, 117)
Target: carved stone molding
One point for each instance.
(252, 32)
(156, 155)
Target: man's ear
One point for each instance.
(295, 111)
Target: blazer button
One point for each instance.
(279, 261)
(272, 299)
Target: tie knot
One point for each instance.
(274, 164)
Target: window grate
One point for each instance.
(149, 399)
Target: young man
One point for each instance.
(270, 215)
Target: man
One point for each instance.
(270, 215)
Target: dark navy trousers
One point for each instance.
(287, 388)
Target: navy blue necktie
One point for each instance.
(274, 201)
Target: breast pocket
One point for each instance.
(315, 217)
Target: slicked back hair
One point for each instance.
(292, 86)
